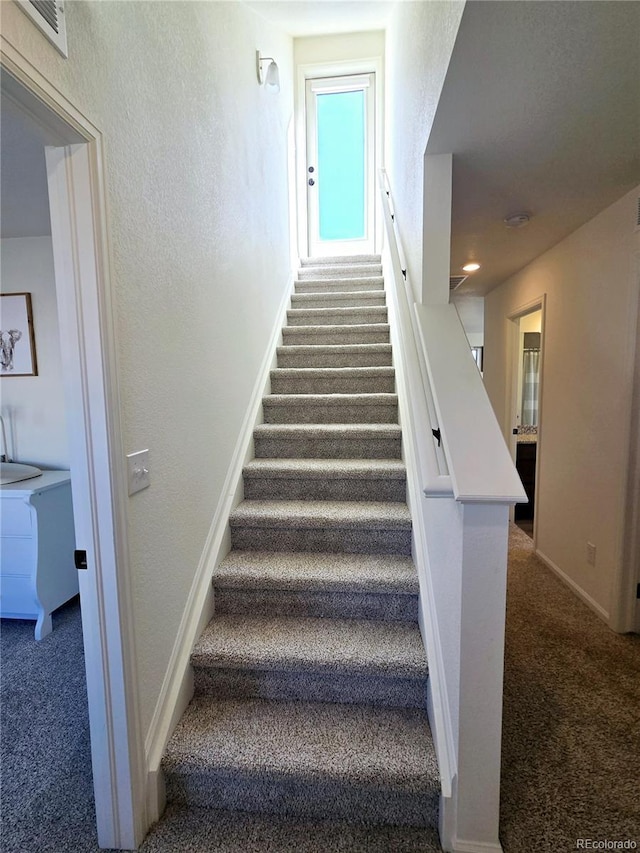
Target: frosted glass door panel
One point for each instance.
(341, 165)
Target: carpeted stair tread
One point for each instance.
(333, 380)
(337, 296)
(337, 316)
(341, 270)
(360, 432)
(328, 334)
(199, 830)
(330, 408)
(325, 479)
(339, 299)
(337, 285)
(382, 515)
(308, 572)
(336, 260)
(338, 469)
(328, 441)
(306, 741)
(351, 647)
(347, 355)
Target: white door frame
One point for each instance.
(341, 68)
(77, 200)
(513, 340)
(625, 604)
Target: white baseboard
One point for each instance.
(177, 687)
(460, 846)
(582, 595)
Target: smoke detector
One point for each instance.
(517, 220)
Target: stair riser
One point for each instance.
(309, 358)
(336, 317)
(294, 796)
(338, 300)
(329, 271)
(302, 489)
(282, 686)
(330, 413)
(343, 335)
(332, 384)
(332, 285)
(356, 540)
(330, 605)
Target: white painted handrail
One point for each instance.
(433, 464)
(454, 396)
(479, 462)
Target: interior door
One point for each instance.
(340, 113)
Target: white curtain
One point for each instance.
(530, 385)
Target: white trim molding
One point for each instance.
(77, 197)
(564, 577)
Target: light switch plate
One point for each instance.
(138, 471)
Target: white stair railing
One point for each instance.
(461, 482)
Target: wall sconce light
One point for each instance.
(271, 79)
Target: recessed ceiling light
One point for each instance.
(471, 267)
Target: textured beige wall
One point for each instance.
(420, 39)
(337, 48)
(591, 284)
(196, 171)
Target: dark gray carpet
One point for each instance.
(571, 740)
(571, 734)
(47, 789)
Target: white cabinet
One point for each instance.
(37, 540)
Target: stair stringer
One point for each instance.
(177, 687)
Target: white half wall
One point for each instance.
(33, 406)
(591, 284)
(419, 43)
(196, 179)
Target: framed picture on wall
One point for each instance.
(17, 340)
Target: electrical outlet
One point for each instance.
(138, 476)
(591, 553)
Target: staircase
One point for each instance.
(310, 681)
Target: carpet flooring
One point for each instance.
(571, 748)
(571, 731)
(46, 793)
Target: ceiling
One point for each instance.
(541, 109)
(324, 17)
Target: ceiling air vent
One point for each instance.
(48, 16)
(455, 281)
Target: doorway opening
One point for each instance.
(72, 148)
(526, 410)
